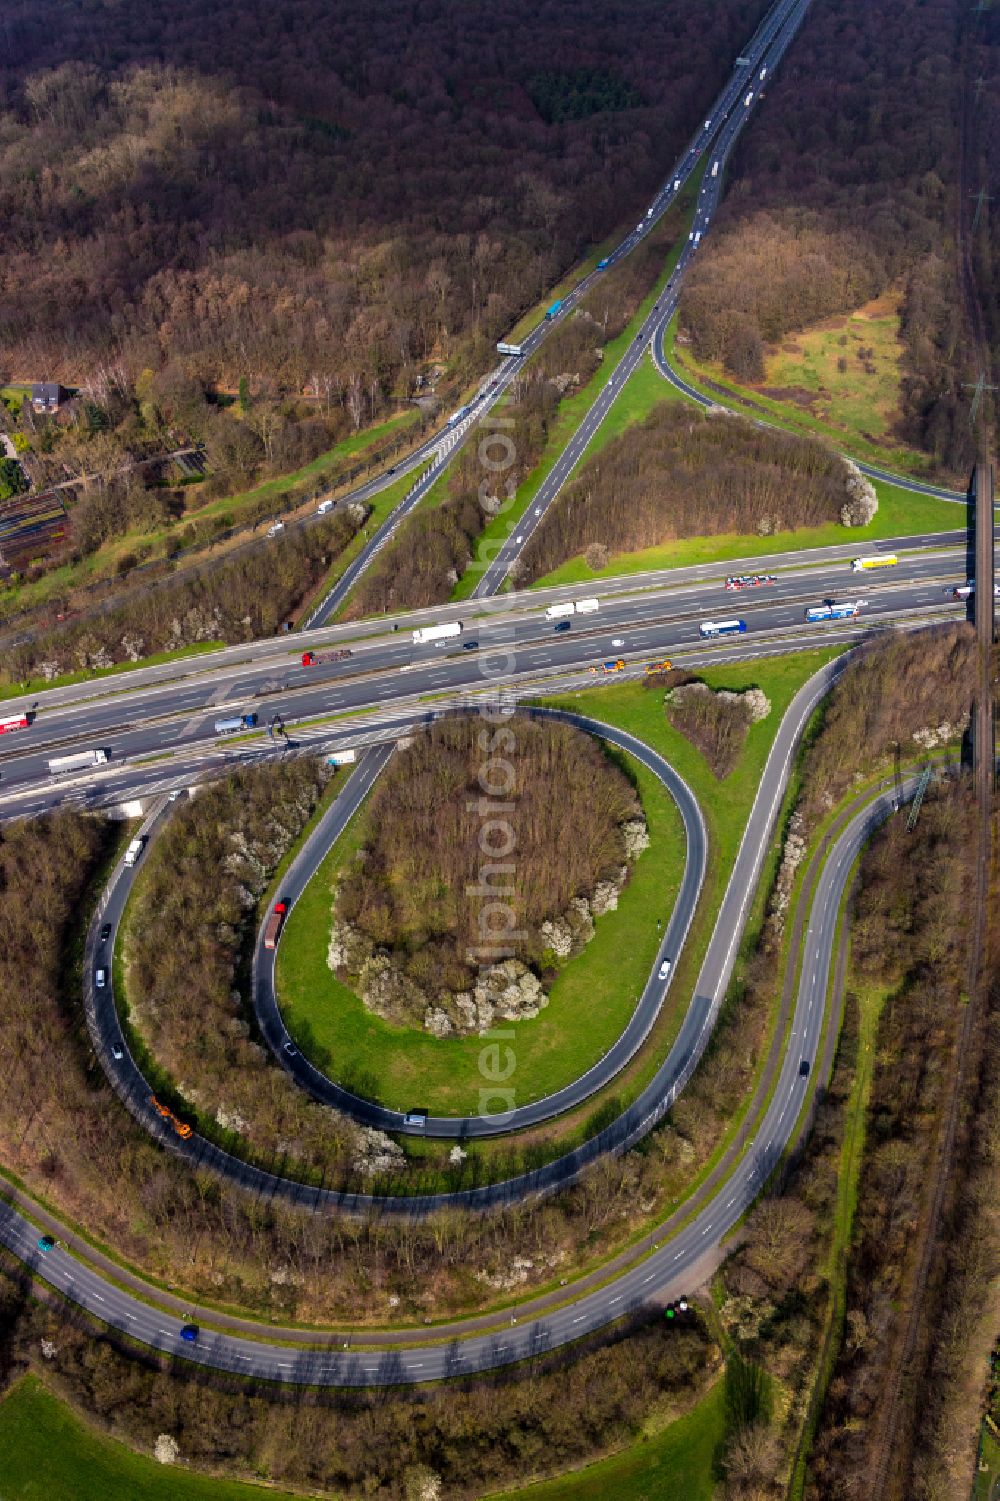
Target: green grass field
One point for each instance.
(589, 1003)
(805, 392)
(674, 1464)
(47, 1453)
(900, 514)
(860, 402)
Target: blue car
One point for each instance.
(190, 1333)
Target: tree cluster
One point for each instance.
(191, 930)
(680, 474)
(238, 598)
(895, 686)
(416, 889)
(716, 724)
(845, 187)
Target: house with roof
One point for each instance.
(47, 396)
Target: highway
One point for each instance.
(126, 1078)
(174, 721)
(662, 1274)
(769, 42)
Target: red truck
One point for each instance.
(273, 927)
(317, 658)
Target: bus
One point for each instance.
(14, 722)
(506, 347)
(881, 560)
(553, 311)
(722, 627)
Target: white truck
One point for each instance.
(555, 611)
(80, 761)
(134, 850)
(587, 606)
(427, 633)
(715, 169)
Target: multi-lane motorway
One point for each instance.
(147, 723)
(158, 728)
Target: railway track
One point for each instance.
(897, 1424)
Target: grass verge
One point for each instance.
(900, 514)
(675, 1463)
(49, 1453)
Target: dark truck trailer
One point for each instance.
(273, 927)
(317, 658)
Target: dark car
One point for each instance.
(190, 1333)
(563, 625)
(470, 645)
(291, 1049)
(804, 1068)
(106, 932)
(46, 1242)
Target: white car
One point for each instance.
(116, 1052)
(664, 969)
(101, 979)
(617, 641)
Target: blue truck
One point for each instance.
(553, 311)
(235, 723)
(831, 610)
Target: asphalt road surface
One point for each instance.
(662, 1274)
(155, 728)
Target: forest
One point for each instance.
(296, 204)
(848, 183)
